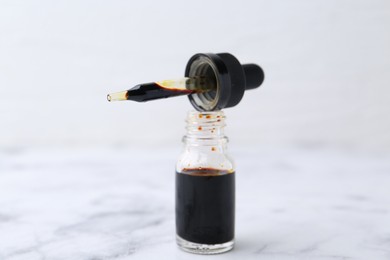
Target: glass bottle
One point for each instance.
(205, 187)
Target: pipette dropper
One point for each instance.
(164, 89)
(212, 82)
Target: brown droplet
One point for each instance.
(200, 116)
(213, 149)
(208, 116)
(219, 120)
(199, 128)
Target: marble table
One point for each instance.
(118, 203)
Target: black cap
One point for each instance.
(231, 80)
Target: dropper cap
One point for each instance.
(232, 79)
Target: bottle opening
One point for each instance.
(206, 119)
(207, 127)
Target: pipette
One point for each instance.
(212, 82)
(164, 89)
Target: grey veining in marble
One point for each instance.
(118, 204)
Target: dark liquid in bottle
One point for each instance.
(205, 201)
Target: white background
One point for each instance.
(327, 66)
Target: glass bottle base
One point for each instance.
(203, 249)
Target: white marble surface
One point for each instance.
(106, 204)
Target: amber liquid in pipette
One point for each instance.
(164, 89)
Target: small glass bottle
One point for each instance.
(205, 187)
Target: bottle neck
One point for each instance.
(205, 129)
